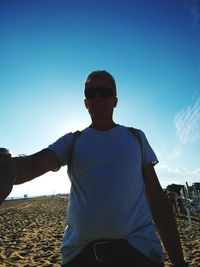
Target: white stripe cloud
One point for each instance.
(187, 123)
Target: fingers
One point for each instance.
(5, 151)
(7, 173)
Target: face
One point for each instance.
(100, 98)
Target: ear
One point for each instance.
(85, 102)
(115, 102)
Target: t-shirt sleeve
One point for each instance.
(148, 155)
(61, 148)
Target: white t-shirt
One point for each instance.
(107, 197)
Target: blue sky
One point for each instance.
(47, 48)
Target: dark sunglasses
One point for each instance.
(104, 92)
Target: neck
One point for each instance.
(103, 126)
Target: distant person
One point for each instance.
(116, 201)
(173, 197)
(181, 205)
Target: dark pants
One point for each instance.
(118, 253)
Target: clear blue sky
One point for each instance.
(152, 48)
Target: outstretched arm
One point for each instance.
(163, 216)
(18, 170)
(30, 167)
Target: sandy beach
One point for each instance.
(31, 231)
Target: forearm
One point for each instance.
(26, 170)
(167, 228)
(30, 167)
(18, 170)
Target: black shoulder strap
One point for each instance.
(137, 135)
(71, 149)
(134, 131)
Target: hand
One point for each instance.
(7, 173)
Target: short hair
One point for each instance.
(100, 74)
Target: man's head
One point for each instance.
(100, 95)
(103, 75)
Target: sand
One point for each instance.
(31, 231)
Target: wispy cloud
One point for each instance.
(179, 171)
(168, 175)
(194, 8)
(187, 123)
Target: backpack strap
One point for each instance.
(137, 135)
(72, 145)
(76, 135)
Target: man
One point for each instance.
(116, 200)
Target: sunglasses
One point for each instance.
(104, 92)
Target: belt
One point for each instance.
(106, 250)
